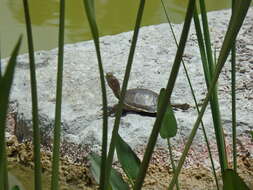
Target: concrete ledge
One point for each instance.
(155, 52)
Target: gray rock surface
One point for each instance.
(154, 56)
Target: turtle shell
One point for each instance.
(142, 100)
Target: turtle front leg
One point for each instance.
(113, 109)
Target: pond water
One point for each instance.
(23, 177)
(113, 17)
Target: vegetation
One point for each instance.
(165, 123)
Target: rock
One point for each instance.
(154, 56)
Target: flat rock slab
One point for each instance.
(154, 56)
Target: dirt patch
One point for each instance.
(75, 173)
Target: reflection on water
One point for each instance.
(113, 17)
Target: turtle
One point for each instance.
(138, 100)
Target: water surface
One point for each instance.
(113, 16)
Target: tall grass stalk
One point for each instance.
(90, 12)
(233, 95)
(123, 91)
(57, 126)
(36, 131)
(205, 68)
(191, 88)
(220, 139)
(172, 161)
(5, 86)
(168, 92)
(232, 31)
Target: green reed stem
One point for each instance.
(5, 86)
(214, 98)
(57, 125)
(233, 29)
(233, 95)
(203, 54)
(90, 12)
(164, 103)
(172, 161)
(207, 77)
(36, 131)
(123, 91)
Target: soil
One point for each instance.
(75, 172)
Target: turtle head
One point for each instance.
(114, 84)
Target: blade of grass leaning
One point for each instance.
(57, 125)
(169, 89)
(115, 182)
(207, 43)
(202, 49)
(232, 181)
(203, 55)
(169, 124)
(172, 161)
(207, 78)
(232, 31)
(220, 139)
(123, 90)
(128, 159)
(90, 12)
(168, 128)
(214, 98)
(36, 131)
(5, 86)
(233, 95)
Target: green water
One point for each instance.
(13, 181)
(113, 16)
(24, 178)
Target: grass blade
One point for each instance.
(57, 125)
(5, 86)
(169, 123)
(232, 31)
(207, 78)
(116, 182)
(127, 158)
(123, 89)
(172, 161)
(36, 131)
(169, 89)
(233, 95)
(214, 98)
(232, 181)
(90, 12)
(168, 127)
(203, 56)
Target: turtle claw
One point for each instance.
(110, 111)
